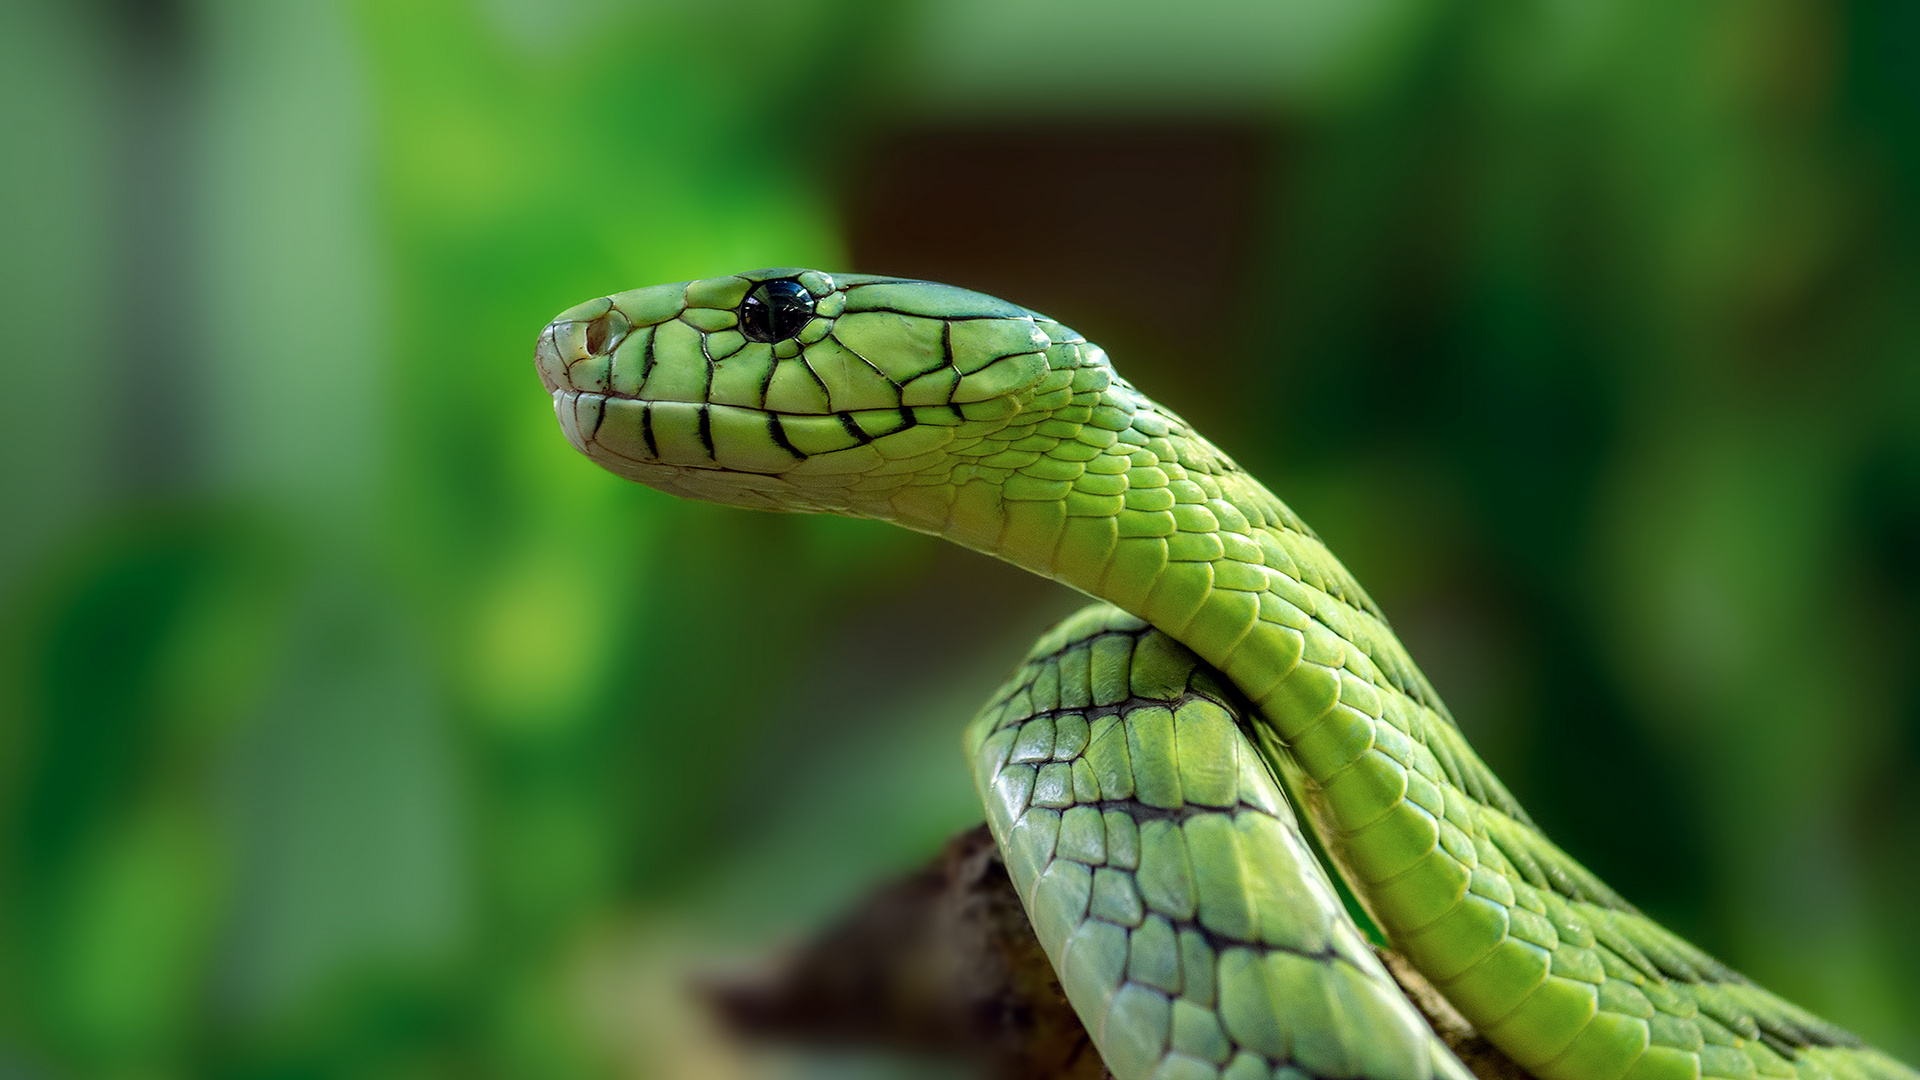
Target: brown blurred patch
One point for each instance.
(941, 962)
(1146, 232)
(944, 963)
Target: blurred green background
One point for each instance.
(352, 725)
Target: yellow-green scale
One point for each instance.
(1189, 922)
(963, 416)
(1138, 510)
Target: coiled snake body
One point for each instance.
(1137, 769)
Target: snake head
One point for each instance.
(799, 390)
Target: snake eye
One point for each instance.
(775, 310)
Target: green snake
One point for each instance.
(1140, 768)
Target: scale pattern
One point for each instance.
(1550, 964)
(1192, 927)
(967, 417)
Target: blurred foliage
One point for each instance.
(351, 725)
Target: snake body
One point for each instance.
(1139, 770)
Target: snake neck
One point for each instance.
(1120, 498)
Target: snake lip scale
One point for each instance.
(1148, 769)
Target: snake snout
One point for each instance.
(550, 357)
(587, 332)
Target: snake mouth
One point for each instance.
(547, 362)
(562, 344)
(622, 433)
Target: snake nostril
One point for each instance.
(606, 332)
(598, 331)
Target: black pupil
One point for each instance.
(775, 310)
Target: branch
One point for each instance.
(943, 963)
